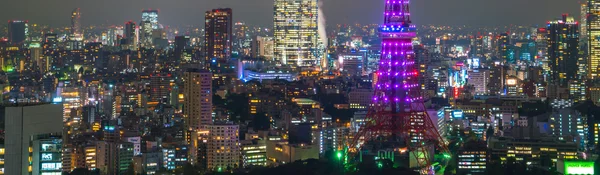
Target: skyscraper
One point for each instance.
(593, 37)
(145, 34)
(197, 107)
(197, 111)
(541, 43)
(76, 22)
(262, 47)
(504, 48)
(17, 32)
(181, 44)
(563, 50)
(151, 16)
(217, 37)
(583, 27)
(130, 34)
(296, 32)
(240, 39)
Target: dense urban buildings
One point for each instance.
(309, 95)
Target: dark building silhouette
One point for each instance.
(217, 38)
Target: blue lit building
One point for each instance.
(268, 75)
(152, 16)
(174, 157)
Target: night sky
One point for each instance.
(260, 12)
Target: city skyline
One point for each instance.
(211, 87)
(259, 12)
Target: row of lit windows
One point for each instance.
(471, 167)
(472, 163)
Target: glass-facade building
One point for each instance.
(593, 36)
(152, 16)
(296, 32)
(17, 32)
(563, 50)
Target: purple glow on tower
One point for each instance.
(397, 64)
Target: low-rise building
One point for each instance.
(472, 158)
(531, 151)
(254, 152)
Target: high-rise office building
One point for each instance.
(130, 33)
(568, 122)
(47, 154)
(198, 99)
(505, 48)
(217, 37)
(593, 41)
(351, 64)
(240, 39)
(181, 44)
(583, 27)
(145, 34)
(76, 22)
(17, 32)
(160, 86)
(114, 35)
(563, 50)
(197, 110)
(151, 15)
(262, 47)
(479, 78)
(23, 124)
(223, 148)
(541, 43)
(296, 32)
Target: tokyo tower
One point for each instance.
(397, 117)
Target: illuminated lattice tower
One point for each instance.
(398, 114)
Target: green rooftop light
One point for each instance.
(446, 155)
